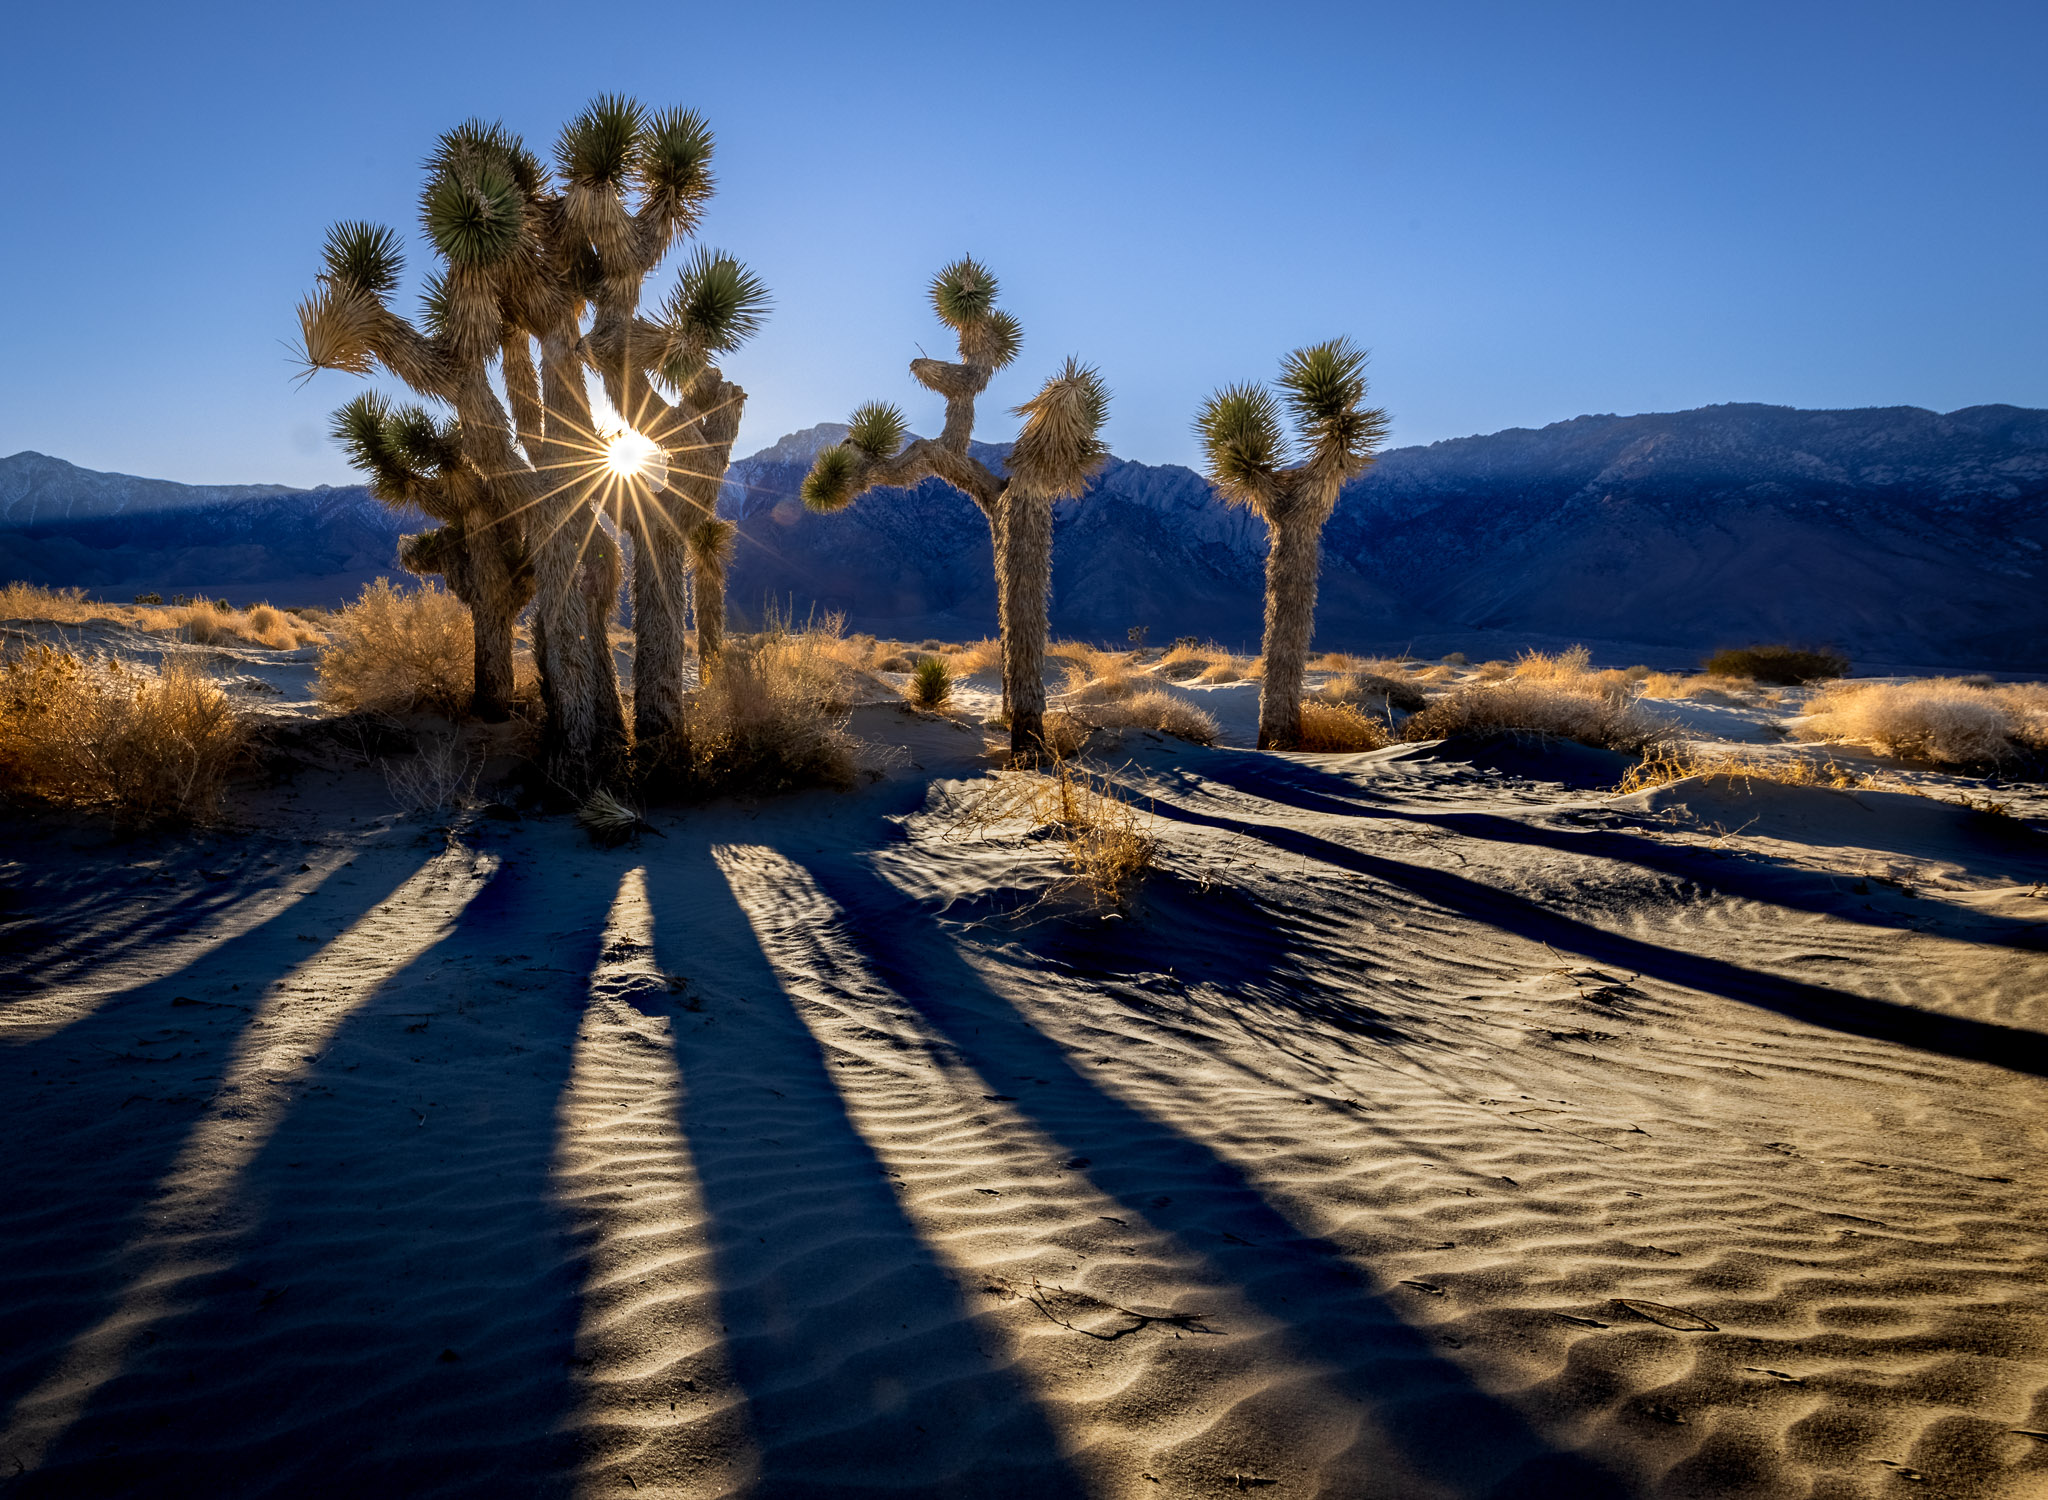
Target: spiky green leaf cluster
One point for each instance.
(834, 473)
(402, 450)
(363, 257)
(876, 429)
(673, 158)
(1242, 441)
(480, 140)
(599, 147)
(475, 212)
(1325, 386)
(964, 293)
(717, 305)
(434, 305)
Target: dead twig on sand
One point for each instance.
(1059, 1305)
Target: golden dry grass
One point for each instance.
(1373, 693)
(772, 719)
(399, 651)
(1941, 720)
(151, 747)
(1705, 688)
(1663, 765)
(1155, 708)
(1573, 707)
(1339, 728)
(203, 623)
(1107, 849)
(1184, 661)
(985, 655)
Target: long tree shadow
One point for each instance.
(1448, 1431)
(80, 1174)
(389, 1306)
(817, 1263)
(2009, 1047)
(1310, 789)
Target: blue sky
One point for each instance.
(1527, 212)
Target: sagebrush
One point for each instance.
(399, 651)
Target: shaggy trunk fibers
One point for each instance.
(660, 615)
(1291, 566)
(998, 532)
(495, 596)
(1024, 554)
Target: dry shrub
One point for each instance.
(1566, 665)
(1333, 661)
(1938, 719)
(772, 719)
(1455, 659)
(1374, 693)
(1339, 728)
(1227, 670)
(205, 623)
(1784, 665)
(1493, 671)
(895, 661)
(440, 776)
(1666, 764)
(1706, 689)
(394, 651)
(1569, 707)
(1185, 660)
(1106, 681)
(985, 655)
(1155, 708)
(1107, 848)
(27, 601)
(152, 747)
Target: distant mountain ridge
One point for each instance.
(1902, 535)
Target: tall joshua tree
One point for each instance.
(524, 261)
(1059, 450)
(1323, 390)
(413, 460)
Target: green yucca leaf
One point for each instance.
(1240, 431)
(673, 157)
(829, 485)
(434, 306)
(717, 305)
(597, 147)
(474, 213)
(364, 257)
(423, 442)
(877, 429)
(963, 293)
(1323, 381)
(359, 428)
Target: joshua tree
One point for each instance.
(413, 460)
(523, 261)
(710, 546)
(1053, 458)
(1323, 388)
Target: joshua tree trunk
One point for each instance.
(999, 532)
(494, 603)
(660, 587)
(1024, 551)
(710, 549)
(1291, 565)
(576, 579)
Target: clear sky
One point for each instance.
(1526, 211)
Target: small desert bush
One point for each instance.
(1568, 707)
(1784, 665)
(1373, 693)
(1187, 659)
(772, 719)
(1107, 848)
(1104, 680)
(1662, 765)
(440, 776)
(894, 661)
(1455, 659)
(205, 623)
(1227, 670)
(1939, 719)
(1155, 708)
(152, 747)
(1338, 728)
(27, 601)
(1541, 666)
(985, 655)
(931, 685)
(1493, 671)
(399, 651)
(1708, 689)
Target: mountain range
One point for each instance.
(1906, 537)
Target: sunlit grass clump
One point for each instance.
(773, 718)
(1945, 721)
(151, 747)
(399, 651)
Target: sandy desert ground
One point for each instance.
(1435, 1123)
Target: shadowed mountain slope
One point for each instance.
(1904, 536)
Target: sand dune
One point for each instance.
(1422, 1131)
